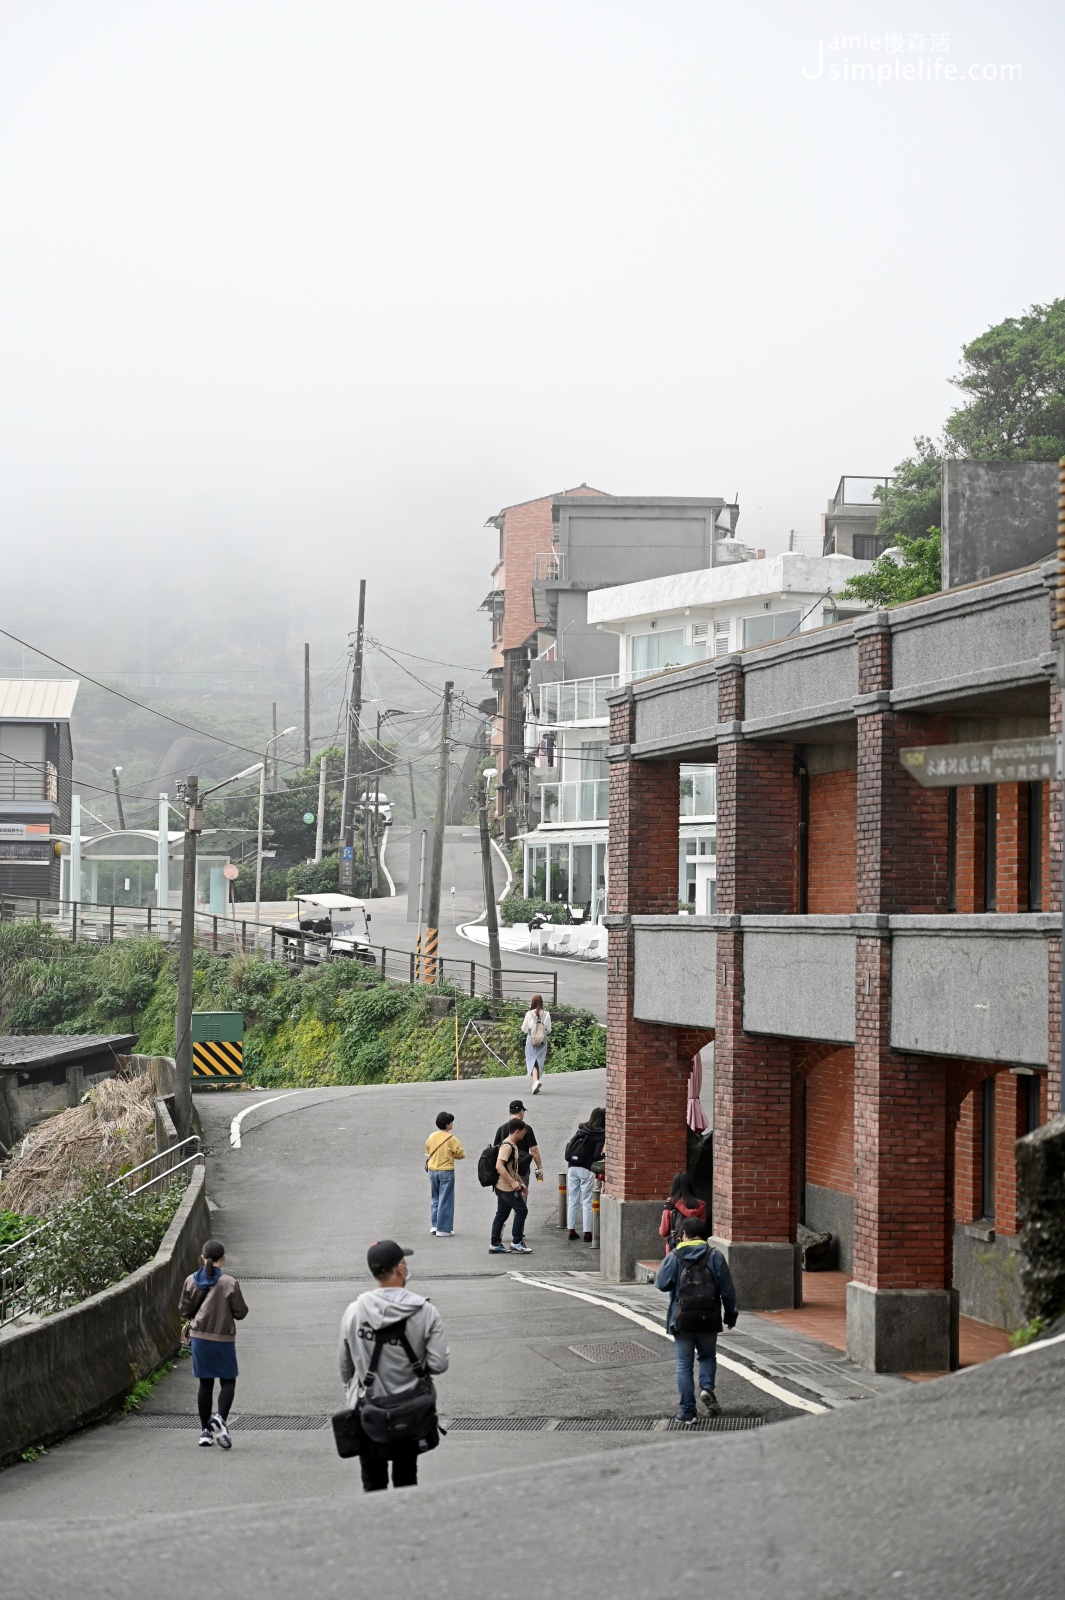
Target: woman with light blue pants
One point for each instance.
(442, 1150)
(536, 1027)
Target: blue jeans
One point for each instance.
(442, 1201)
(687, 1346)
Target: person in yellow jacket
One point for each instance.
(442, 1150)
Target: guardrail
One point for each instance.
(228, 936)
(16, 1299)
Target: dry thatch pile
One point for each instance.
(113, 1129)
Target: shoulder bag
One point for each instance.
(394, 1419)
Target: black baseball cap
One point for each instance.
(516, 1106)
(385, 1256)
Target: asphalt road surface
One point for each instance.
(949, 1489)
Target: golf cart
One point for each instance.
(331, 927)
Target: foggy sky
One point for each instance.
(303, 292)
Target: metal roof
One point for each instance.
(37, 699)
(49, 1049)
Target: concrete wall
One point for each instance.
(987, 1276)
(979, 994)
(799, 983)
(953, 640)
(828, 1211)
(612, 541)
(70, 1369)
(818, 678)
(22, 1106)
(678, 713)
(675, 972)
(997, 516)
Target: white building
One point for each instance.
(661, 623)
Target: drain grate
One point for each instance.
(615, 1352)
(497, 1424)
(242, 1423)
(606, 1424)
(251, 1422)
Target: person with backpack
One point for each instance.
(683, 1202)
(442, 1150)
(211, 1305)
(584, 1148)
(529, 1151)
(391, 1340)
(699, 1285)
(536, 1027)
(511, 1193)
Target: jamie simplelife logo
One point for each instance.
(886, 58)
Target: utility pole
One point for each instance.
(432, 929)
(183, 1019)
(306, 705)
(273, 768)
(413, 802)
(491, 917)
(118, 798)
(351, 753)
(373, 859)
(319, 836)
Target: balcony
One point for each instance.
(28, 781)
(859, 491)
(576, 700)
(549, 567)
(583, 800)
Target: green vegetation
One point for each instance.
(146, 1387)
(101, 1239)
(334, 1024)
(12, 1227)
(1013, 377)
(1028, 1333)
(889, 582)
(513, 910)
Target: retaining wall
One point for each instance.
(73, 1368)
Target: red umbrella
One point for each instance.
(697, 1118)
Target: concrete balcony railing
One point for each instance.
(973, 987)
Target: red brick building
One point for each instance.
(881, 980)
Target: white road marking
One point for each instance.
(234, 1126)
(384, 869)
(747, 1373)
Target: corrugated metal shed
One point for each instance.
(37, 699)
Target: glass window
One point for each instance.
(769, 625)
(582, 876)
(536, 872)
(653, 651)
(558, 872)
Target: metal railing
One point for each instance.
(28, 781)
(576, 700)
(579, 800)
(227, 937)
(18, 1297)
(549, 566)
(856, 490)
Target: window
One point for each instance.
(769, 626)
(987, 1149)
(990, 847)
(651, 652)
(1035, 846)
(867, 546)
(721, 638)
(1030, 1086)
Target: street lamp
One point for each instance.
(490, 917)
(262, 802)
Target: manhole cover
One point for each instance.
(615, 1352)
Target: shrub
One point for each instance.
(315, 877)
(94, 1244)
(513, 911)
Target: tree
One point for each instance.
(1014, 376)
(889, 582)
(911, 502)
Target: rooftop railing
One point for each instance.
(28, 780)
(550, 566)
(858, 491)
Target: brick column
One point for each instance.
(755, 1193)
(1052, 902)
(646, 1072)
(901, 1310)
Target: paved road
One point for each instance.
(948, 1489)
(320, 1174)
(462, 900)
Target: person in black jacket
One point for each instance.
(584, 1148)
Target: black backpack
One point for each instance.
(486, 1166)
(698, 1298)
(577, 1150)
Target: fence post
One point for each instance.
(74, 924)
(554, 988)
(473, 979)
(111, 932)
(412, 966)
(244, 936)
(214, 932)
(273, 944)
(149, 920)
(38, 911)
(384, 953)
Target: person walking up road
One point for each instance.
(585, 1147)
(386, 1315)
(536, 1026)
(442, 1150)
(211, 1305)
(699, 1285)
(511, 1193)
(683, 1202)
(529, 1151)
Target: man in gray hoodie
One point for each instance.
(389, 1305)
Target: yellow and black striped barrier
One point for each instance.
(428, 955)
(217, 1046)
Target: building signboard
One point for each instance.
(949, 766)
(24, 830)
